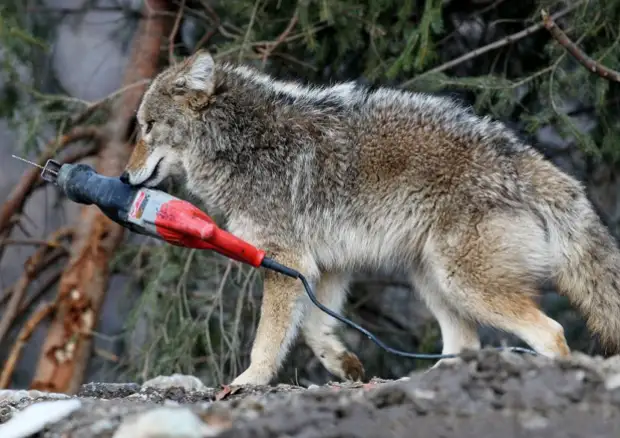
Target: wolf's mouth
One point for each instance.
(154, 174)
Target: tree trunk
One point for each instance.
(67, 348)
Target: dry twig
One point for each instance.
(216, 28)
(29, 242)
(81, 117)
(28, 301)
(271, 47)
(24, 335)
(31, 269)
(173, 33)
(36, 295)
(578, 54)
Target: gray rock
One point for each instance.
(188, 383)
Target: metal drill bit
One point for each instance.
(49, 172)
(29, 162)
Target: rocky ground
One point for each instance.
(489, 394)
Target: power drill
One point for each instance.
(146, 211)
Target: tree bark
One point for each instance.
(83, 284)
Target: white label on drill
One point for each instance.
(136, 210)
(144, 209)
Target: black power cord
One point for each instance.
(285, 270)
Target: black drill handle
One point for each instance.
(83, 185)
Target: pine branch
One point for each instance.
(492, 46)
(578, 54)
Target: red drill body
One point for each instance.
(181, 223)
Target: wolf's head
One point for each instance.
(170, 105)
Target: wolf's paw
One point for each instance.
(352, 368)
(253, 376)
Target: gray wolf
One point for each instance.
(335, 179)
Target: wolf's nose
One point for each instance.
(125, 177)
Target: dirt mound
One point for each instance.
(489, 394)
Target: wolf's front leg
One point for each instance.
(281, 313)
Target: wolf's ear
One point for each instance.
(197, 74)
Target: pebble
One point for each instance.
(165, 422)
(612, 382)
(187, 382)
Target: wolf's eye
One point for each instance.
(149, 126)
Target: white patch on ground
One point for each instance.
(36, 417)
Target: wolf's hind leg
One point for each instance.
(319, 328)
(492, 276)
(458, 332)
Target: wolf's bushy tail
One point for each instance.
(588, 267)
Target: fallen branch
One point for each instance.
(24, 335)
(492, 46)
(31, 268)
(578, 54)
(84, 282)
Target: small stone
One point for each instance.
(612, 382)
(533, 421)
(188, 383)
(424, 394)
(165, 422)
(313, 387)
